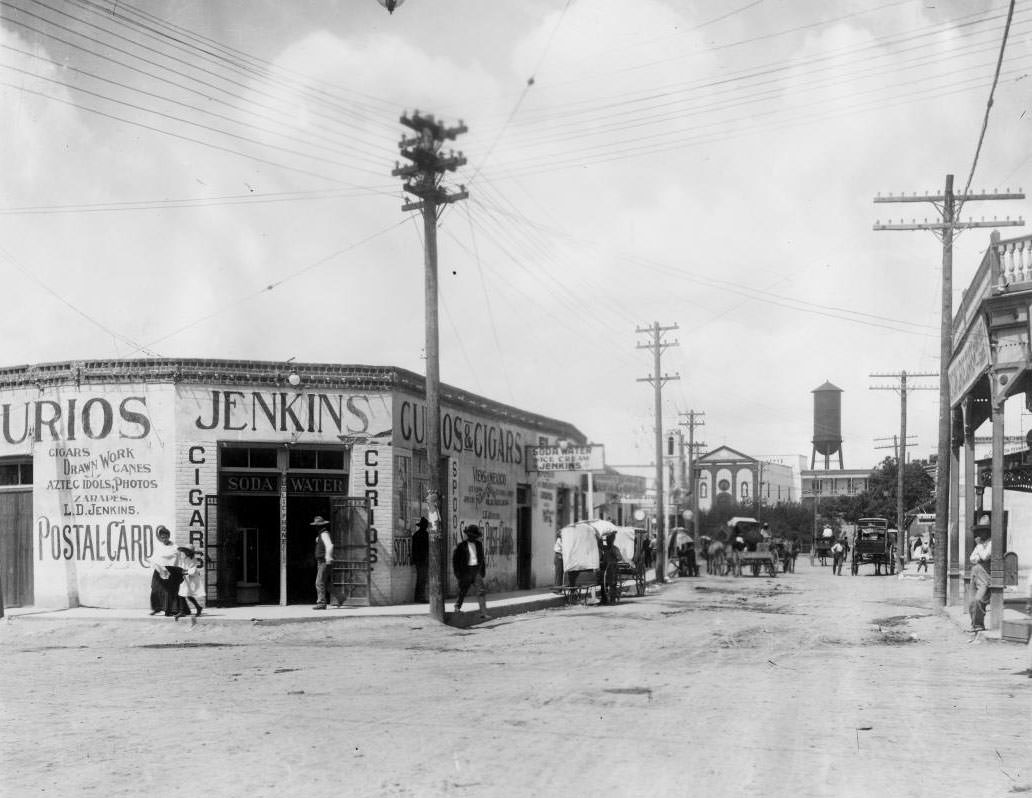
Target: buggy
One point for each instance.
(874, 543)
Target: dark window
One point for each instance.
(302, 458)
(15, 473)
(248, 457)
(331, 459)
(263, 458)
(9, 474)
(234, 458)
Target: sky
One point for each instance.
(212, 179)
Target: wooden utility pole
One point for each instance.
(657, 345)
(694, 419)
(901, 458)
(946, 204)
(423, 176)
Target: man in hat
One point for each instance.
(470, 567)
(323, 563)
(980, 556)
(421, 557)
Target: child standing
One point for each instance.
(192, 586)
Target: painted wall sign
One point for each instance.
(103, 481)
(349, 415)
(461, 434)
(244, 482)
(571, 458)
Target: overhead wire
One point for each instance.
(172, 117)
(460, 341)
(989, 103)
(189, 65)
(268, 287)
(523, 94)
(564, 161)
(32, 275)
(487, 305)
(192, 86)
(334, 110)
(261, 66)
(253, 198)
(741, 95)
(609, 102)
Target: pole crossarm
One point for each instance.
(1008, 194)
(428, 162)
(926, 225)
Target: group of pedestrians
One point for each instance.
(178, 577)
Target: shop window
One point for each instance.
(248, 457)
(745, 490)
(15, 473)
(330, 460)
(703, 490)
(303, 458)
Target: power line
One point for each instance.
(989, 103)
(220, 311)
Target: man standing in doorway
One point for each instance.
(323, 563)
(980, 578)
(469, 567)
(420, 558)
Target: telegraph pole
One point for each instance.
(423, 176)
(657, 345)
(946, 204)
(694, 419)
(901, 451)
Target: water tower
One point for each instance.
(827, 424)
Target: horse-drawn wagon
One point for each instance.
(875, 543)
(758, 554)
(600, 555)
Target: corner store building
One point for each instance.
(237, 457)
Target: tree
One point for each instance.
(879, 500)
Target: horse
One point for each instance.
(715, 559)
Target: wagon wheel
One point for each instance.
(639, 581)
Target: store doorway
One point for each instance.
(301, 545)
(250, 530)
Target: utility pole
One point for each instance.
(694, 419)
(946, 204)
(657, 345)
(901, 451)
(423, 176)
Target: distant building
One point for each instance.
(827, 483)
(727, 476)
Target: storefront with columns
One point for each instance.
(991, 366)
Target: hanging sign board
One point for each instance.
(571, 458)
(970, 361)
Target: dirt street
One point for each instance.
(803, 685)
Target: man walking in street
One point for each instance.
(470, 568)
(323, 564)
(837, 555)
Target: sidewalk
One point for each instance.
(958, 613)
(498, 605)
